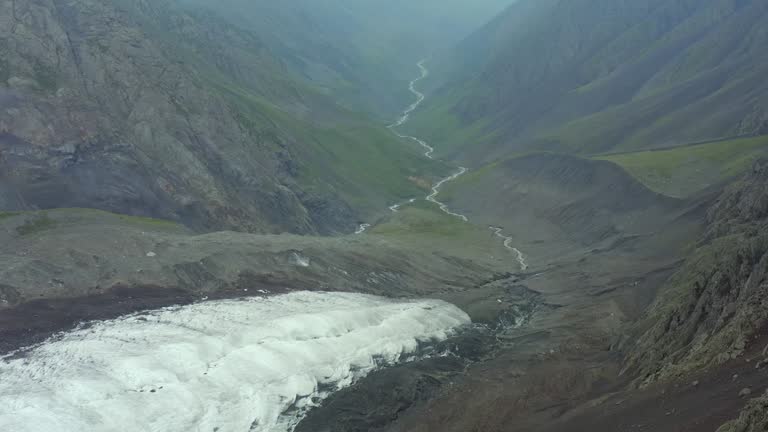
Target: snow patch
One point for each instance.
(300, 260)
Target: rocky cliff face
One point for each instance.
(716, 306)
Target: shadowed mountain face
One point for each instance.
(592, 76)
(138, 107)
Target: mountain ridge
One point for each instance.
(630, 76)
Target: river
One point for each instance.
(429, 153)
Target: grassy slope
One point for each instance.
(476, 176)
(668, 117)
(362, 162)
(423, 226)
(425, 220)
(32, 222)
(444, 130)
(683, 171)
(640, 124)
(329, 150)
(678, 172)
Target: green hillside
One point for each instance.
(182, 115)
(683, 171)
(593, 76)
(363, 163)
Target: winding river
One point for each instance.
(429, 153)
(508, 244)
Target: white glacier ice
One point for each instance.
(226, 366)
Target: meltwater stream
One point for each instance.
(429, 151)
(229, 366)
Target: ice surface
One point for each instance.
(232, 365)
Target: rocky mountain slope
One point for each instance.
(716, 307)
(360, 51)
(140, 108)
(592, 76)
(584, 355)
(697, 359)
(567, 203)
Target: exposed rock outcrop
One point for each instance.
(716, 305)
(754, 417)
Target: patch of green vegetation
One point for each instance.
(668, 114)
(423, 226)
(366, 164)
(366, 159)
(472, 177)
(475, 176)
(147, 221)
(590, 134)
(439, 124)
(425, 219)
(6, 215)
(46, 76)
(685, 170)
(38, 223)
(101, 214)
